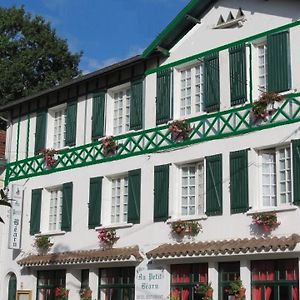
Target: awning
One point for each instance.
(81, 257)
(225, 247)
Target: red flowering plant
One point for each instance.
(264, 106)
(180, 130)
(49, 157)
(186, 227)
(267, 220)
(107, 237)
(109, 145)
(61, 293)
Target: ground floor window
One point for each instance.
(47, 281)
(228, 272)
(275, 280)
(184, 278)
(116, 283)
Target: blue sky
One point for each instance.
(106, 31)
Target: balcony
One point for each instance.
(233, 122)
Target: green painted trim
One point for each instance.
(169, 28)
(206, 127)
(28, 132)
(18, 138)
(250, 75)
(223, 47)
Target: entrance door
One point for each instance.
(12, 287)
(228, 272)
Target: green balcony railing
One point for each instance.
(218, 125)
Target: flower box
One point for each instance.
(185, 227)
(266, 220)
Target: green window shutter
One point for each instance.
(136, 105)
(95, 202)
(239, 181)
(134, 196)
(66, 222)
(214, 185)
(35, 214)
(296, 170)
(98, 115)
(279, 65)
(211, 83)
(40, 131)
(163, 96)
(161, 193)
(71, 118)
(237, 63)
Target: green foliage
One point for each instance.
(3, 201)
(32, 56)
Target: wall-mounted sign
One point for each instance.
(16, 196)
(150, 284)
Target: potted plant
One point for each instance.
(185, 227)
(237, 289)
(43, 244)
(180, 130)
(107, 237)
(109, 146)
(266, 220)
(61, 293)
(205, 290)
(85, 293)
(50, 159)
(264, 106)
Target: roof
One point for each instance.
(77, 257)
(76, 80)
(180, 25)
(214, 248)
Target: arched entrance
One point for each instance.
(12, 287)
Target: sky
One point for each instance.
(107, 31)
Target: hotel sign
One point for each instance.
(16, 196)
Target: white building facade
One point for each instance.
(237, 159)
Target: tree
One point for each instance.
(3, 201)
(32, 56)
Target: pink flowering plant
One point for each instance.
(109, 145)
(107, 237)
(61, 293)
(260, 107)
(180, 129)
(49, 157)
(268, 220)
(185, 227)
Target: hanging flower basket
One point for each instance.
(180, 130)
(205, 290)
(50, 158)
(61, 293)
(42, 244)
(109, 146)
(186, 227)
(85, 293)
(107, 237)
(266, 220)
(265, 105)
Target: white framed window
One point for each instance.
(57, 126)
(262, 68)
(276, 184)
(119, 200)
(121, 110)
(192, 189)
(55, 209)
(191, 90)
